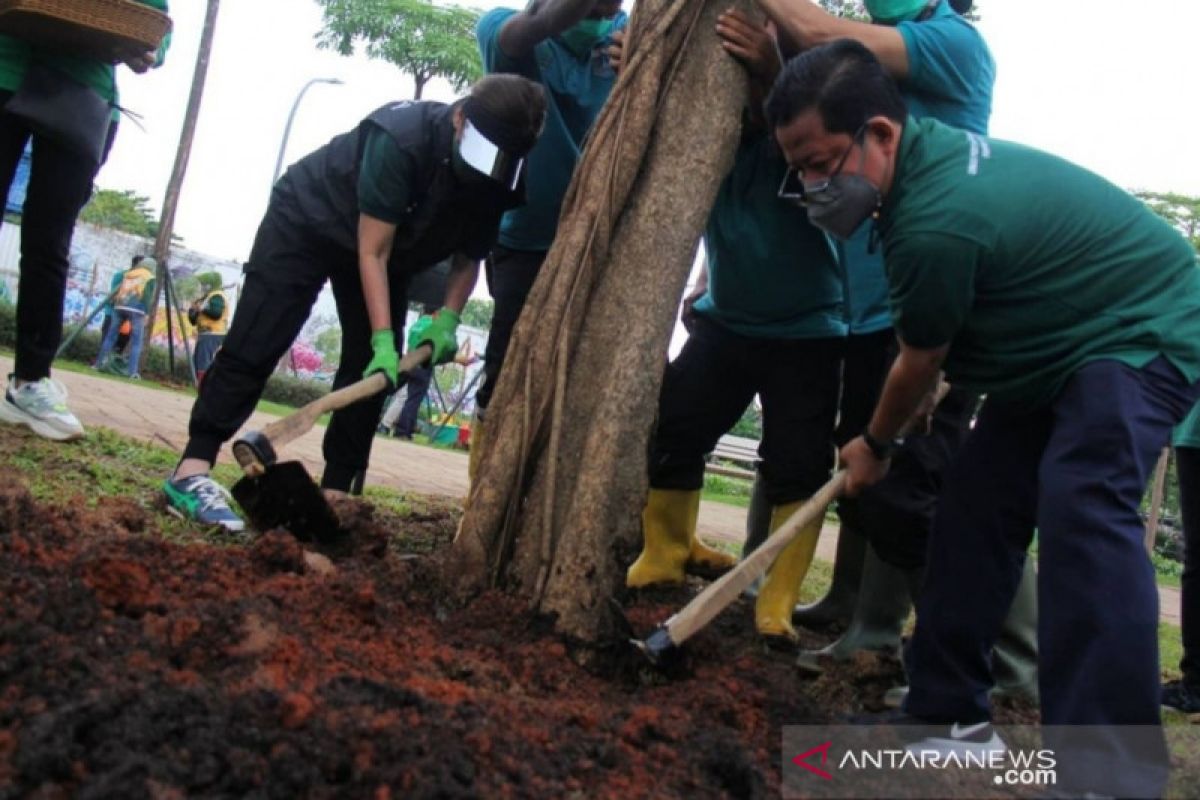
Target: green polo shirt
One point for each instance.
(16, 54)
(1029, 266)
(1188, 433)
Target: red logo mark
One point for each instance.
(802, 760)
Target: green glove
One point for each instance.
(440, 332)
(386, 359)
(416, 334)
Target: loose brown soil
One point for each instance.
(132, 666)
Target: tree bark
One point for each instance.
(562, 480)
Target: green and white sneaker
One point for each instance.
(42, 406)
(201, 499)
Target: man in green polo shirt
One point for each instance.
(1077, 312)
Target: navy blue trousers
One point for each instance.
(1076, 470)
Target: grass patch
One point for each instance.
(108, 464)
(730, 491)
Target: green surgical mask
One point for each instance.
(584, 35)
(893, 12)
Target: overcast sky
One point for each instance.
(1107, 84)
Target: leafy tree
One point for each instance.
(478, 313)
(422, 39)
(1180, 210)
(750, 425)
(125, 211)
(329, 344)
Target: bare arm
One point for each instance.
(464, 272)
(810, 25)
(525, 29)
(374, 246)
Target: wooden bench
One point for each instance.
(734, 448)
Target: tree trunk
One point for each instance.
(563, 477)
(166, 222)
(419, 81)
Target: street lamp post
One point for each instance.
(287, 130)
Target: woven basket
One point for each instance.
(112, 30)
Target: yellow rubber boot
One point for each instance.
(781, 588)
(668, 527)
(704, 561)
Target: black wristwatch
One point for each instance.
(880, 449)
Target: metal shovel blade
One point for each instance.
(285, 497)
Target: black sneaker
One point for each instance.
(1181, 696)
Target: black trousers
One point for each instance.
(510, 275)
(60, 183)
(287, 268)
(707, 388)
(1187, 464)
(418, 387)
(896, 514)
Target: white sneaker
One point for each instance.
(980, 739)
(42, 405)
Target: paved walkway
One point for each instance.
(160, 417)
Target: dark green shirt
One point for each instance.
(1029, 266)
(383, 177)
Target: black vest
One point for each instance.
(320, 192)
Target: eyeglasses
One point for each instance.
(794, 190)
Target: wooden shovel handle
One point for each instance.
(723, 591)
(301, 421)
(719, 594)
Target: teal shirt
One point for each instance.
(950, 77)
(576, 89)
(771, 273)
(1030, 267)
(1188, 433)
(16, 54)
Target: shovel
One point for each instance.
(663, 645)
(284, 495)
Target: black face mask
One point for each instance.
(464, 173)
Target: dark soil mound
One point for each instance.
(135, 667)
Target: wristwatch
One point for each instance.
(882, 450)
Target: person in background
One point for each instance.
(110, 316)
(135, 295)
(64, 165)
(209, 313)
